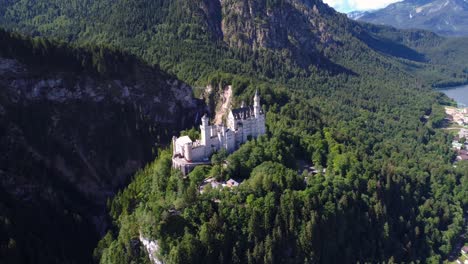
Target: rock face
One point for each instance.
(152, 248)
(225, 105)
(445, 17)
(295, 26)
(299, 29)
(69, 141)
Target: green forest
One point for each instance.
(354, 99)
(383, 197)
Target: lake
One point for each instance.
(459, 94)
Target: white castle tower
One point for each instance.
(205, 130)
(256, 105)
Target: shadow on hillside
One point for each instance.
(391, 48)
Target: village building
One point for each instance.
(231, 183)
(456, 145)
(242, 124)
(457, 115)
(464, 250)
(462, 155)
(463, 133)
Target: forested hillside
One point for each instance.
(265, 39)
(352, 98)
(68, 120)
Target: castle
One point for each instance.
(242, 123)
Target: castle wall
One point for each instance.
(205, 134)
(179, 149)
(261, 125)
(247, 127)
(188, 151)
(253, 131)
(198, 153)
(239, 136)
(230, 141)
(213, 143)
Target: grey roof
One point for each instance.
(243, 113)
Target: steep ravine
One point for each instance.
(69, 141)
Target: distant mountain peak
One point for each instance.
(356, 15)
(445, 17)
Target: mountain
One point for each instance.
(444, 17)
(250, 38)
(75, 125)
(352, 98)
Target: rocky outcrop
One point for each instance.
(283, 25)
(304, 33)
(297, 30)
(152, 248)
(225, 105)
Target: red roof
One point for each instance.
(465, 249)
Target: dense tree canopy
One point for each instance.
(384, 196)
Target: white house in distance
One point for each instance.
(463, 133)
(242, 123)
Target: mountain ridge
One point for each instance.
(445, 17)
(309, 35)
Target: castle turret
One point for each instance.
(174, 146)
(256, 104)
(205, 130)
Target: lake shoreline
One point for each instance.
(459, 94)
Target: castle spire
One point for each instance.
(205, 120)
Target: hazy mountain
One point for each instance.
(445, 17)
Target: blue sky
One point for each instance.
(346, 6)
